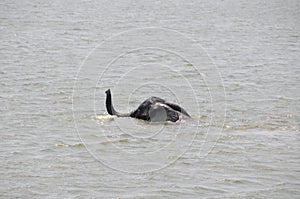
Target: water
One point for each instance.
(58, 58)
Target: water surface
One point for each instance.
(57, 140)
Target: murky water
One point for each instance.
(234, 66)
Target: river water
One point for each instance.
(233, 65)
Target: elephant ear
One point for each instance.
(161, 113)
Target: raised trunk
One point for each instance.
(110, 108)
